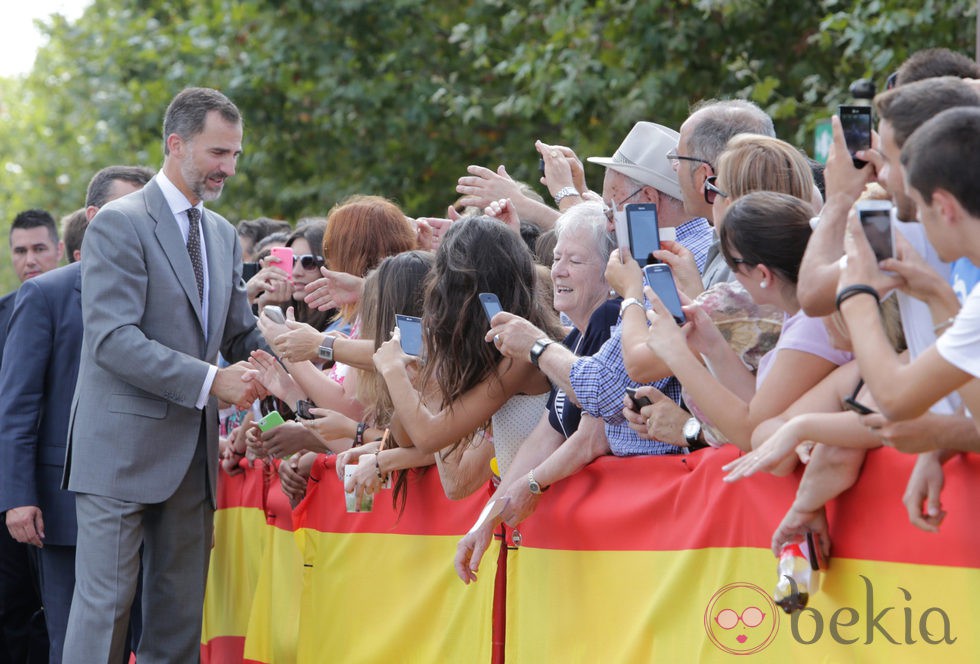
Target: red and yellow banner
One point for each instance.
(631, 560)
(634, 560)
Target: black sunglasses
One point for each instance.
(711, 191)
(309, 261)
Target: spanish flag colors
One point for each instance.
(632, 560)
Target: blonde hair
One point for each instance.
(752, 162)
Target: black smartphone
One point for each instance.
(876, 220)
(853, 404)
(411, 330)
(661, 280)
(249, 270)
(856, 123)
(641, 223)
(638, 402)
(491, 304)
(541, 165)
(303, 409)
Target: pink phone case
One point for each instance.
(285, 256)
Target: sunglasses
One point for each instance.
(751, 617)
(309, 261)
(711, 191)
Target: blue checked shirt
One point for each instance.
(600, 380)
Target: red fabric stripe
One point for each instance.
(223, 649)
(680, 502)
(431, 513)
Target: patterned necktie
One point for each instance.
(194, 249)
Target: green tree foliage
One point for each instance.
(397, 97)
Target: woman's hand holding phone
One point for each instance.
(624, 275)
(390, 354)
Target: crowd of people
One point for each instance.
(135, 372)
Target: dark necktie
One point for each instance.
(194, 249)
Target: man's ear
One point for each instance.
(175, 144)
(61, 250)
(947, 206)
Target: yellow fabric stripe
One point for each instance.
(635, 606)
(273, 626)
(239, 533)
(377, 597)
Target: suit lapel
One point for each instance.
(168, 234)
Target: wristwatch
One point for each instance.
(538, 348)
(533, 486)
(564, 193)
(629, 302)
(325, 351)
(692, 434)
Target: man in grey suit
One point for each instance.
(37, 380)
(161, 295)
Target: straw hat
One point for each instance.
(643, 157)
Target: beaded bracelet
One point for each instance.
(856, 289)
(359, 434)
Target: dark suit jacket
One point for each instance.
(6, 309)
(145, 351)
(37, 381)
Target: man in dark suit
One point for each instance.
(37, 379)
(162, 294)
(34, 250)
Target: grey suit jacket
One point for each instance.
(145, 353)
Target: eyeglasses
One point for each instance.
(607, 209)
(675, 160)
(711, 191)
(309, 261)
(751, 617)
(734, 262)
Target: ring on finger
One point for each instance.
(496, 338)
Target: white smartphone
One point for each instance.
(876, 220)
(274, 314)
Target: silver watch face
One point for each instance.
(692, 429)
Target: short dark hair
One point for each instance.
(189, 110)
(99, 187)
(769, 229)
(35, 218)
(941, 154)
(933, 62)
(722, 120)
(908, 106)
(256, 229)
(73, 228)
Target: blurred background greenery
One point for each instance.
(398, 97)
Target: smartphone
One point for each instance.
(853, 404)
(491, 304)
(285, 256)
(638, 402)
(641, 223)
(622, 232)
(249, 270)
(856, 123)
(876, 220)
(541, 165)
(274, 314)
(270, 421)
(411, 329)
(661, 280)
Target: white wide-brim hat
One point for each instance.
(643, 157)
